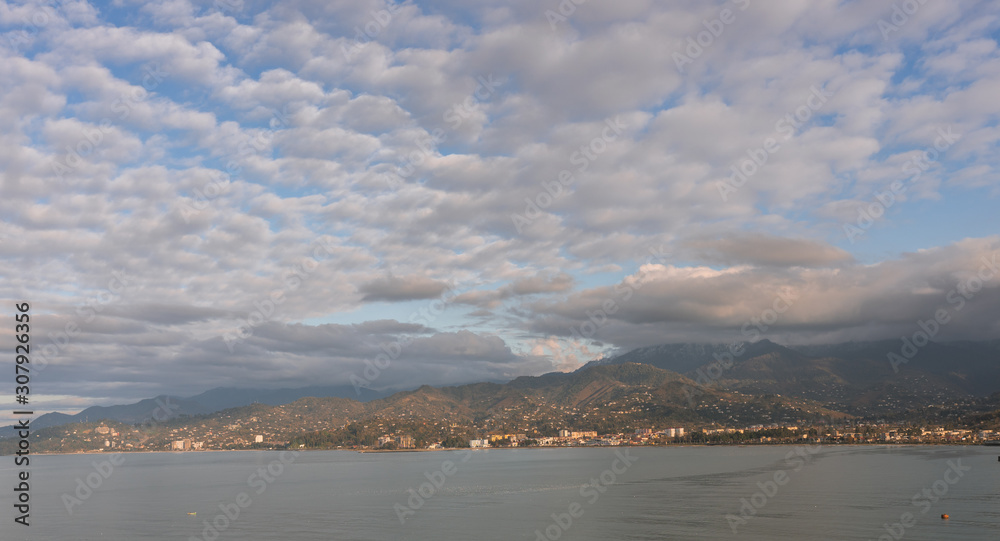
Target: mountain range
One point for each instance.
(856, 378)
(213, 400)
(681, 382)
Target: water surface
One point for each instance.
(833, 492)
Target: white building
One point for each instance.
(479, 443)
(258, 439)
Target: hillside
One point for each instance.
(855, 378)
(601, 398)
(210, 401)
(767, 384)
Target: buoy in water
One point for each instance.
(944, 517)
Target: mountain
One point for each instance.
(666, 385)
(210, 401)
(683, 358)
(601, 398)
(854, 377)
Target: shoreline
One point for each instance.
(366, 451)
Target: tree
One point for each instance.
(454, 441)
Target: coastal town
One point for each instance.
(116, 437)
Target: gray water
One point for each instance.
(839, 492)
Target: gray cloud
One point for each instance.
(268, 171)
(545, 282)
(850, 302)
(402, 288)
(766, 250)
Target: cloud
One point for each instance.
(402, 288)
(848, 302)
(246, 157)
(545, 282)
(765, 250)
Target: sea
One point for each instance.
(608, 493)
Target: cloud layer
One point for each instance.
(258, 193)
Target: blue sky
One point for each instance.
(482, 181)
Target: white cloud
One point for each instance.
(241, 135)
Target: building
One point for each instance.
(258, 439)
(180, 445)
(514, 438)
(479, 443)
(577, 434)
(405, 442)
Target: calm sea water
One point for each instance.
(836, 492)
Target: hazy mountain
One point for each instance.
(856, 377)
(210, 401)
(684, 358)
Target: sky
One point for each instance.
(277, 194)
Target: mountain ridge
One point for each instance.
(854, 378)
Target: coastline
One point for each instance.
(366, 451)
